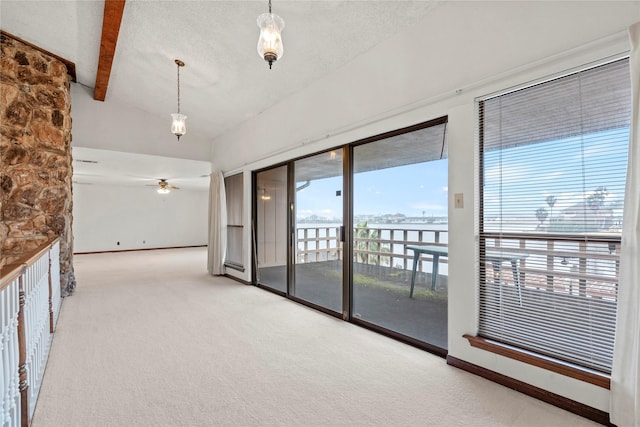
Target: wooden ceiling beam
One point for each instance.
(113, 10)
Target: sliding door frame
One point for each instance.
(347, 241)
(347, 232)
(372, 326)
(254, 227)
(291, 235)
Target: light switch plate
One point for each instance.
(459, 200)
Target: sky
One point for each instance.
(410, 190)
(517, 182)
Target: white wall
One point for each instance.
(112, 125)
(459, 45)
(461, 51)
(137, 218)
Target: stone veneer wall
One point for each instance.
(35, 155)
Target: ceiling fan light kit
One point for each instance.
(178, 124)
(270, 46)
(165, 188)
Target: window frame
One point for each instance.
(601, 379)
(232, 223)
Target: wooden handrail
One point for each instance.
(30, 258)
(10, 272)
(30, 275)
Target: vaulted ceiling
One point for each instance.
(383, 54)
(224, 82)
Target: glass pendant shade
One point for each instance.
(178, 125)
(270, 42)
(163, 191)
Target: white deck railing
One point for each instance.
(585, 265)
(29, 307)
(384, 246)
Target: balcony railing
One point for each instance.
(585, 265)
(29, 308)
(382, 246)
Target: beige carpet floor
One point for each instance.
(149, 339)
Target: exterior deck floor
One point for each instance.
(380, 296)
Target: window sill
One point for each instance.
(562, 368)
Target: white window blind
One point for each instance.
(553, 162)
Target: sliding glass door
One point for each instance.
(400, 235)
(318, 224)
(388, 270)
(271, 228)
(298, 224)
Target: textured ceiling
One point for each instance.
(224, 82)
(104, 167)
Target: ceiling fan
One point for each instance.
(165, 188)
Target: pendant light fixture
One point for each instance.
(270, 42)
(179, 125)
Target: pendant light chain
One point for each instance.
(269, 6)
(178, 88)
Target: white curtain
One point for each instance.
(217, 225)
(625, 374)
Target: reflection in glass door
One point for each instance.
(271, 228)
(400, 235)
(318, 224)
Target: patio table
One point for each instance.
(435, 251)
(496, 259)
